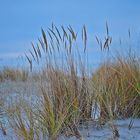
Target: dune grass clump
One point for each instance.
(60, 105)
(13, 74)
(117, 86)
(66, 101)
(66, 98)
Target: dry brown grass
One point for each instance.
(13, 74)
(64, 85)
(68, 91)
(117, 86)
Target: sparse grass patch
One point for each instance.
(22, 121)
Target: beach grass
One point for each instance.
(69, 92)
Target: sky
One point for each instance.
(21, 21)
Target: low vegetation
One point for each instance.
(117, 86)
(69, 93)
(13, 74)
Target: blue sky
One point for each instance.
(21, 21)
